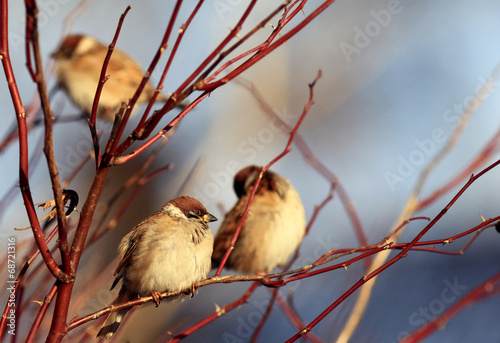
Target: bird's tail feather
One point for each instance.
(114, 319)
(111, 324)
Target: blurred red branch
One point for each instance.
(41, 313)
(294, 318)
(480, 293)
(479, 160)
(219, 312)
(21, 277)
(265, 316)
(310, 158)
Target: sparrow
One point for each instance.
(168, 252)
(273, 229)
(78, 63)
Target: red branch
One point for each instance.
(182, 31)
(41, 313)
(48, 149)
(310, 158)
(267, 280)
(102, 80)
(150, 124)
(264, 169)
(219, 312)
(396, 258)
(477, 294)
(123, 159)
(264, 52)
(481, 158)
(223, 54)
(23, 144)
(116, 150)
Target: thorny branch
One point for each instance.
(284, 278)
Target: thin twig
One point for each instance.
(276, 280)
(372, 274)
(102, 80)
(220, 311)
(413, 202)
(310, 158)
(114, 151)
(32, 40)
(263, 170)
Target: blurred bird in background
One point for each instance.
(273, 229)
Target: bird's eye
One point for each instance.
(195, 213)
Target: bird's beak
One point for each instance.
(207, 218)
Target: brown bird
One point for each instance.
(79, 60)
(168, 252)
(273, 229)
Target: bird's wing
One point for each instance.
(227, 229)
(128, 248)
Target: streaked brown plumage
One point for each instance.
(169, 251)
(79, 60)
(273, 229)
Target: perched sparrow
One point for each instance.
(79, 61)
(168, 252)
(273, 229)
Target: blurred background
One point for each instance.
(396, 77)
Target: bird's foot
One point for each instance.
(191, 291)
(156, 297)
